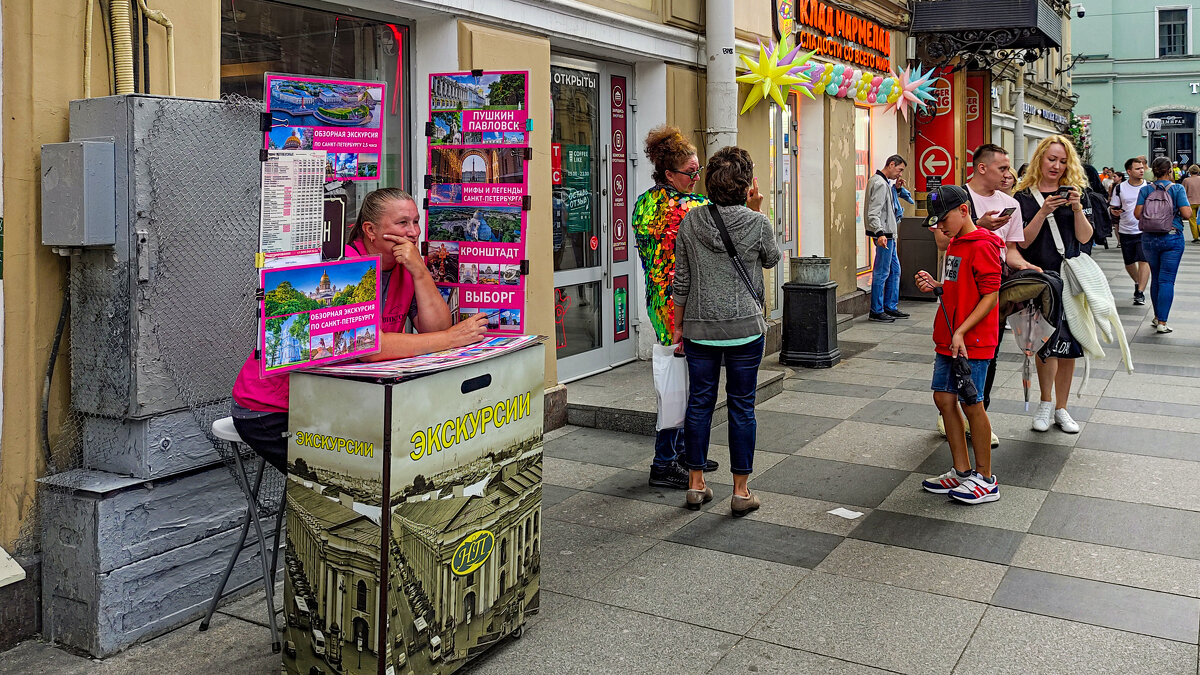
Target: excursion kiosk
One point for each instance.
(413, 512)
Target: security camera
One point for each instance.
(1079, 9)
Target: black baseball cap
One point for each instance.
(944, 200)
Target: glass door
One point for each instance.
(784, 206)
(592, 261)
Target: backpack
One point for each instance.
(1158, 212)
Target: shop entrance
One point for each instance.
(783, 203)
(1177, 138)
(593, 256)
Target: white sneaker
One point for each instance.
(1162, 328)
(1062, 419)
(1041, 419)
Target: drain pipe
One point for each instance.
(122, 39)
(161, 19)
(721, 93)
(1019, 122)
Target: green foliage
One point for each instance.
(508, 90)
(274, 339)
(284, 299)
(1081, 137)
(363, 291)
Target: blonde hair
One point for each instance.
(1194, 170)
(1073, 175)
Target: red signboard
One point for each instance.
(935, 135)
(618, 189)
(556, 163)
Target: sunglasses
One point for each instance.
(690, 174)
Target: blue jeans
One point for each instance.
(741, 382)
(1163, 252)
(885, 279)
(668, 444)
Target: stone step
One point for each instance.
(623, 399)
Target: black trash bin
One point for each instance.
(917, 250)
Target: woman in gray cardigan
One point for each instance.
(718, 318)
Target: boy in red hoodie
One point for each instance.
(969, 297)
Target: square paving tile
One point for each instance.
(1173, 483)
(631, 516)
(837, 374)
(1017, 428)
(1021, 463)
(873, 444)
(918, 570)
(757, 539)
(651, 584)
(807, 514)
(764, 658)
(553, 494)
(1135, 441)
(625, 640)
(1009, 407)
(885, 353)
(720, 454)
(569, 473)
(1015, 510)
(1150, 571)
(989, 544)
(826, 480)
(1172, 617)
(576, 557)
(882, 626)
(1120, 524)
(823, 405)
(597, 446)
(779, 431)
(835, 388)
(634, 485)
(1008, 641)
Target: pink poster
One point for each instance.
(342, 117)
(478, 191)
(318, 314)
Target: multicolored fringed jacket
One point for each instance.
(656, 218)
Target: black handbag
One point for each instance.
(960, 367)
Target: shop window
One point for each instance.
(1173, 31)
(261, 36)
(862, 172)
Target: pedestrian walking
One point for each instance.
(1050, 195)
(1161, 209)
(965, 338)
(718, 293)
(881, 223)
(1129, 233)
(656, 218)
(1096, 207)
(1191, 185)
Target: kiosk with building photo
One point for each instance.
(414, 509)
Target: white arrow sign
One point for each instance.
(1183, 159)
(932, 164)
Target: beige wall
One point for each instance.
(496, 49)
(41, 77)
(752, 19)
(685, 105)
(840, 230)
(754, 136)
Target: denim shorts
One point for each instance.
(943, 379)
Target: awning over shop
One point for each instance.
(950, 28)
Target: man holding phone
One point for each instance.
(1129, 233)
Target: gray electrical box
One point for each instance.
(78, 195)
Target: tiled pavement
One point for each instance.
(1090, 562)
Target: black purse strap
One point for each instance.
(733, 256)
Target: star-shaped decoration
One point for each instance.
(913, 90)
(768, 77)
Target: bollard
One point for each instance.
(810, 315)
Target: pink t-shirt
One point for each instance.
(1014, 229)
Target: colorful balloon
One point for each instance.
(831, 89)
(871, 97)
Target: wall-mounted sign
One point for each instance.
(783, 16)
(620, 200)
(935, 146)
(1152, 125)
(1195, 87)
(837, 33)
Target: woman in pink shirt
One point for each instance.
(416, 320)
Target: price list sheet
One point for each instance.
(293, 208)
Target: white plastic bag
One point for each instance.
(671, 385)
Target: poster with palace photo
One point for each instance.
(342, 117)
(477, 186)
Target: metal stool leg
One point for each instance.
(278, 531)
(276, 646)
(237, 551)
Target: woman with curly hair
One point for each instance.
(656, 217)
(1050, 194)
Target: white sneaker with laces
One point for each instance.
(1162, 328)
(1062, 419)
(1041, 419)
